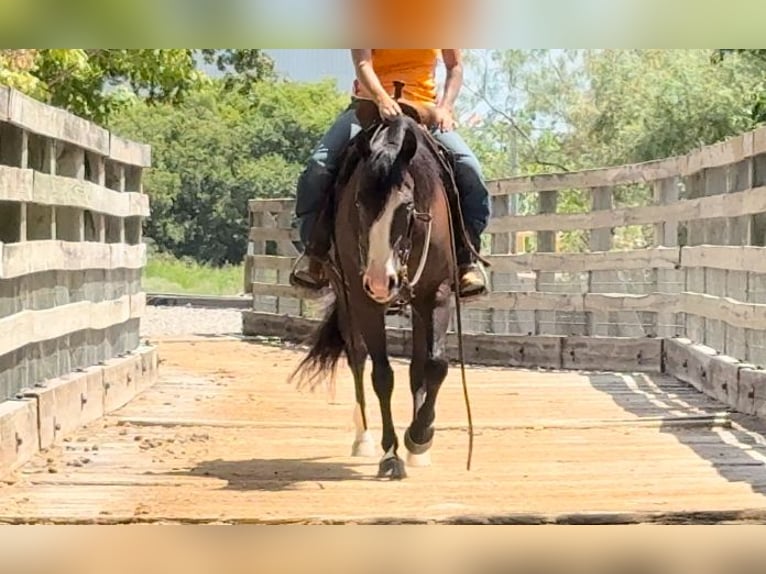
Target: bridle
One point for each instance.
(403, 245)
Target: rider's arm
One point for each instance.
(453, 60)
(367, 76)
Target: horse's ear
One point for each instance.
(409, 146)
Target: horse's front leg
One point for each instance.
(364, 444)
(374, 330)
(428, 370)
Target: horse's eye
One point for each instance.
(399, 223)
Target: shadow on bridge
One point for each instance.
(274, 475)
(736, 452)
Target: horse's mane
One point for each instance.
(379, 152)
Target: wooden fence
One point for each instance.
(71, 258)
(699, 270)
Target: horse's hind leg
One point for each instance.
(428, 370)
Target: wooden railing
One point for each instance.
(71, 252)
(700, 273)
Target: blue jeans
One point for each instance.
(323, 165)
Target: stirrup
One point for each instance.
(302, 279)
(477, 291)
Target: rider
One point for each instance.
(376, 72)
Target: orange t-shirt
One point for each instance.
(416, 68)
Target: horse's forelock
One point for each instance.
(382, 172)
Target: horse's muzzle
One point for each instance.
(381, 288)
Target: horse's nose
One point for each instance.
(380, 288)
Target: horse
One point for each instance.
(390, 213)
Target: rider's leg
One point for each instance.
(474, 204)
(313, 185)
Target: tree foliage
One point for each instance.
(566, 110)
(95, 83)
(220, 148)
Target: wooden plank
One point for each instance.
(666, 234)
(747, 202)
(751, 398)
(5, 103)
(271, 205)
(18, 259)
(627, 354)
(18, 433)
(67, 403)
(720, 154)
(735, 313)
(272, 262)
(688, 362)
(600, 240)
(16, 184)
(497, 320)
(759, 141)
(654, 257)
(276, 290)
(748, 258)
(129, 152)
(27, 186)
(732, 312)
(64, 191)
(601, 177)
(548, 301)
(513, 351)
(53, 122)
(120, 377)
(50, 412)
(27, 327)
(718, 376)
(545, 323)
(273, 234)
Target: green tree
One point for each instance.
(218, 149)
(578, 109)
(95, 83)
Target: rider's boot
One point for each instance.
(471, 279)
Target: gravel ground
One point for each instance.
(176, 321)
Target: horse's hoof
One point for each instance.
(364, 446)
(415, 448)
(419, 460)
(392, 467)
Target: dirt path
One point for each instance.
(223, 438)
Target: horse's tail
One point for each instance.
(327, 346)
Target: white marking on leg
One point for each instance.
(380, 256)
(364, 445)
(419, 459)
(389, 454)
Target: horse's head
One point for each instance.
(385, 200)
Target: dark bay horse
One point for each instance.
(392, 239)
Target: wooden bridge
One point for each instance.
(616, 368)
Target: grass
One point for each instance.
(165, 274)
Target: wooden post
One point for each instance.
(666, 235)
(599, 322)
(257, 248)
(497, 319)
(546, 243)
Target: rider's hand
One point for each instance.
(388, 108)
(443, 119)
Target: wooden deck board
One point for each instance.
(222, 437)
